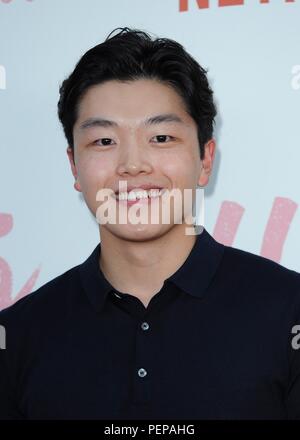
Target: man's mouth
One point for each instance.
(134, 196)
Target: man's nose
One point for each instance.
(134, 159)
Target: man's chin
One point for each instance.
(138, 232)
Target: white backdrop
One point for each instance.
(251, 49)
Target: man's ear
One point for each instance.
(70, 154)
(207, 162)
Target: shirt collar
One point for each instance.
(194, 275)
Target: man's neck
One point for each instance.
(141, 267)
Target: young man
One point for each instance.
(157, 322)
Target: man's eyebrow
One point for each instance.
(158, 119)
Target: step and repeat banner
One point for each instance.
(251, 51)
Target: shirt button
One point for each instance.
(118, 296)
(145, 325)
(142, 372)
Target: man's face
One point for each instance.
(162, 154)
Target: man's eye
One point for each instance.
(102, 141)
(107, 141)
(161, 138)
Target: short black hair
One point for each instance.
(132, 54)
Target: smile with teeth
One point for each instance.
(142, 194)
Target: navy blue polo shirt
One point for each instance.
(214, 343)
